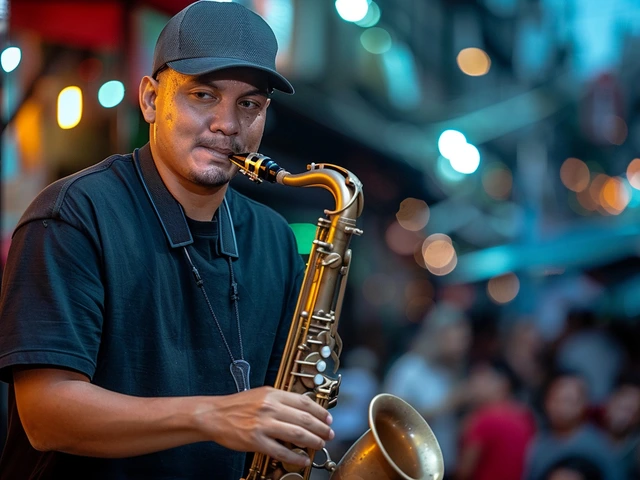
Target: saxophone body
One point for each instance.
(311, 356)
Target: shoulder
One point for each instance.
(82, 188)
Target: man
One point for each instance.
(142, 295)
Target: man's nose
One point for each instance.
(225, 119)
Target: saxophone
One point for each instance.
(311, 356)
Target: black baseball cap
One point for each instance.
(207, 36)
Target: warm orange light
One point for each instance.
(614, 196)
(439, 254)
(69, 107)
(497, 182)
(595, 189)
(413, 214)
(29, 134)
(504, 288)
(574, 174)
(474, 61)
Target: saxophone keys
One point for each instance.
(294, 469)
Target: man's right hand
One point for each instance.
(258, 420)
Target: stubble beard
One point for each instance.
(214, 177)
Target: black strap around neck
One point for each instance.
(170, 212)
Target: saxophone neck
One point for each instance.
(345, 187)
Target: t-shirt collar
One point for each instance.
(170, 212)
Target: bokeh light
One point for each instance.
(376, 40)
(10, 58)
(450, 143)
(352, 10)
(69, 107)
(497, 181)
(574, 174)
(111, 94)
(439, 255)
(615, 195)
(504, 288)
(372, 17)
(413, 214)
(595, 189)
(473, 62)
(633, 173)
(467, 160)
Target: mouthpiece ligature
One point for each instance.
(257, 167)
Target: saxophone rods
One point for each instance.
(311, 355)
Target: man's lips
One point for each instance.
(217, 151)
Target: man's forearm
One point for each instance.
(80, 418)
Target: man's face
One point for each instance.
(566, 402)
(622, 411)
(200, 120)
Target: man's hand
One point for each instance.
(256, 420)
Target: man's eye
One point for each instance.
(250, 104)
(203, 95)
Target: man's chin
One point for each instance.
(213, 178)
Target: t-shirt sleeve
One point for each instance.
(52, 301)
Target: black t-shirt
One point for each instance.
(97, 281)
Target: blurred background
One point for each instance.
(499, 146)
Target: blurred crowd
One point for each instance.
(506, 403)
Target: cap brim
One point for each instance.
(200, 66)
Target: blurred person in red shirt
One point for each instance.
(497, 433)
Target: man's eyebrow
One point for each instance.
(259, 91)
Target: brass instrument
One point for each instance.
(400, 444)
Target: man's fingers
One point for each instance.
(302, 402)
(304, 421)
(296, 435)
(280, 452)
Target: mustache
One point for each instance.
(219, 144)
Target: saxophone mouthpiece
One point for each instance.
(256, 167)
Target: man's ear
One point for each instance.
(148, 93)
